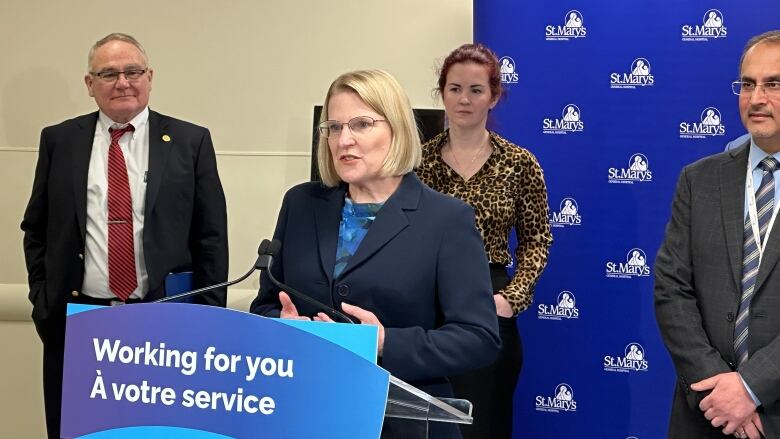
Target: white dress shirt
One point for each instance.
(135, 148)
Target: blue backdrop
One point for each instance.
(614, 98)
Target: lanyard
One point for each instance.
(753, 213)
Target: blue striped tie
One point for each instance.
(765, 198)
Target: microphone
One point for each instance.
(265, 254)
(264, 263)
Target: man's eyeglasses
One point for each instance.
(110, 76)
(748, 87)
(358, 125)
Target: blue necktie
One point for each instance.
(765, 197)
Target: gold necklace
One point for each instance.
(464, 171)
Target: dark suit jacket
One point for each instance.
(421, 268)
(185, 223)
(698, 288)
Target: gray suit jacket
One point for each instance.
(697, 293)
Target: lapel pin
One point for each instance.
(166, 138)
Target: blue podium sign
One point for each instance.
(181, 370)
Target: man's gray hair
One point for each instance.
(116, 36)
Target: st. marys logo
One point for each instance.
(567, 215)
(573, 27)
(563, 401)
(508, 73)
(565, 307)
(712, 27)
(637, 171)
(632, 360)
(709, 125)
(569, 122)
(636, 265)
(639, 75)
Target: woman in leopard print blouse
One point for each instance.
(505, 185)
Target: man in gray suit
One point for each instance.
(717, 287)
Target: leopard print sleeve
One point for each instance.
(508, 191)
(533, 232)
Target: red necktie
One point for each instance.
(122, 279)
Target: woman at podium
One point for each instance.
(374, 242)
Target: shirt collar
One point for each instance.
(138, 121)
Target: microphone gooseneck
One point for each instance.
(265, 257)
(204, 289)
(261, 250)
(274, 248)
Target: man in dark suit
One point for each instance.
(121, 198)
(717, 284)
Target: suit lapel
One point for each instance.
(327, 216)
(160, 145)
(81, 150)
(732, 190)
(389, 222)
(770, 256)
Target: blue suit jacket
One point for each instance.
(421, 269)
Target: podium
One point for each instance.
(416, 409)
(192, 371)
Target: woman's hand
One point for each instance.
(365, 317)
(503, 308)
(289, 311)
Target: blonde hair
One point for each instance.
(380, 91)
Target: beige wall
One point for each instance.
(250, 70)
